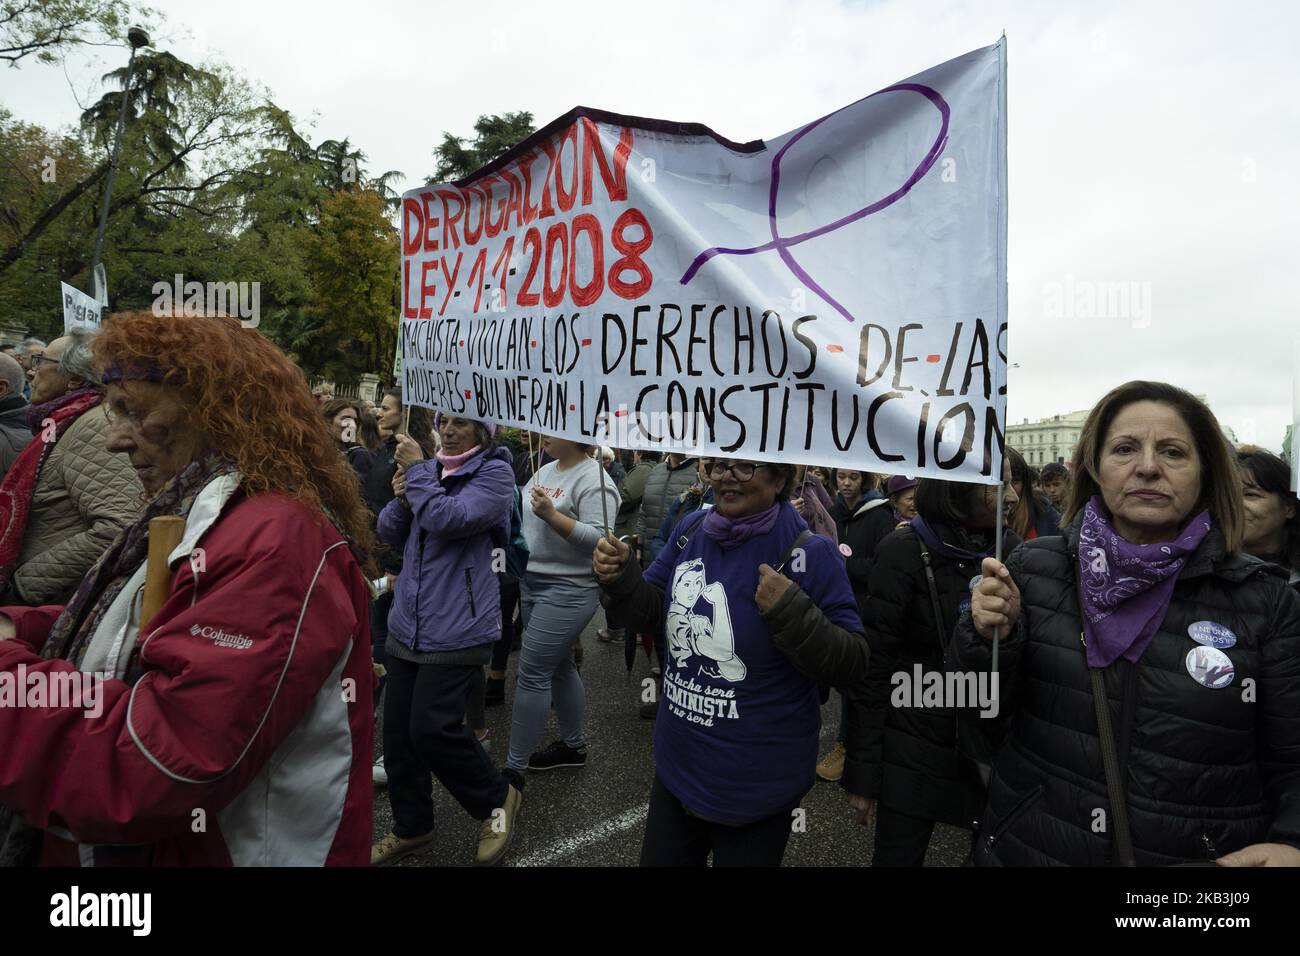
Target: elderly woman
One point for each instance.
(1150, 669)
(66, 496)
(450, 515)
(225, 729)
(755, 611)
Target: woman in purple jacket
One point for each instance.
(450, 514)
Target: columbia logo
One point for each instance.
(221, 638)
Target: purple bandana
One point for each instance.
(733, 532)
(1126, 588)
(143, 370)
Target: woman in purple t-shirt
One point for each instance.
(755, 612)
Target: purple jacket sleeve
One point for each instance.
(484, 503)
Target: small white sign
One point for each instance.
(80, 311)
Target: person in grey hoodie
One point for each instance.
(563, 519)
(449, 517)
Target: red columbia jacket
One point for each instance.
(248, 739)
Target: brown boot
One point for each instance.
(831, 768)
(498, 831)
(393, 848)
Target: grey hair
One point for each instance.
(30, 343)
(78, 361)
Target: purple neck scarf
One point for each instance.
(733, 532)
(37, 414)
(1126, 588)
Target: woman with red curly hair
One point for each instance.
(234, 726)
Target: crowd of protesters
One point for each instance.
(336, 564)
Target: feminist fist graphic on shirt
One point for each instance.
(708, 635)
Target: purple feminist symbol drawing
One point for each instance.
(782, 244)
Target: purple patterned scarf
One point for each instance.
(36, 414)
(733, 532)
(1126, 588)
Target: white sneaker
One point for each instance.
(378, 774)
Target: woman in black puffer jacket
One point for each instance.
(1197, 646)
(902, 762)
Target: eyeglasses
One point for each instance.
(715, 468)
(36, 361)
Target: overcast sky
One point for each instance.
(1151, 144)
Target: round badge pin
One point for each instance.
(1211, 634)
(846, 551)
(974, 581)
(1210, 667)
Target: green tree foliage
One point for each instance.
(493, 135)
(46, 30)
(351, 259)
(32, 161)
(216, 183)
(185, 144)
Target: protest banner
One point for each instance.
(836, 295)
(80, 311)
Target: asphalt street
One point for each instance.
(595, 816)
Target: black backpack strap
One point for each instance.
(934, 590)
(685, 536)
(804, 535)
(1121, 836)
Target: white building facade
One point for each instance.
(1049, 440)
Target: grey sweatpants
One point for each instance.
(555, 611)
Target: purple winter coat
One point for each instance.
(447, 596)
